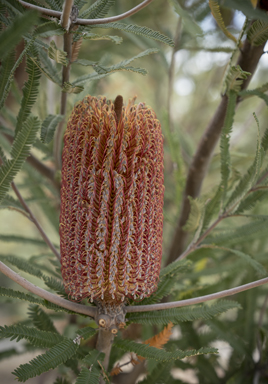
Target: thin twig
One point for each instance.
(66, 12)
(197, 300)
(58, 14)
(85, 310)
(34, 220)
(67, 47)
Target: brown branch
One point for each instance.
(57, 14)
(197, 300)
(104, 344)
(85, 310)
(248, 60)
(34, 220)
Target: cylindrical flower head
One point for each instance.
(111, 201)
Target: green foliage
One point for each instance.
(137, 30)
(42, 339)
(228, 243)
(7, 80)
(57, 54)
(102, 71)
(258, 32)
(48, 127)
(196, 214)
(40, 319)
(11, 36)
(225, 142)
(234, 78)
(92, 372)
(159, 354)
(177, 315)
(30, 93)
(87, 332)
(19, 152)
(57, 355)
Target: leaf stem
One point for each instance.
(34, 220)
(85, 310)
(57, 14)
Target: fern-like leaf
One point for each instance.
(168, 278)
(47, 67)
(177, 315)
(93, 36)
(159, 354)
(197, 207)
(6, 87)
(71, 88)
(57, 355)
(48, 127)
(215, 10)
(239, 235)
(212, 207)
(252, 199)
(137, 30)
(57, 54)
(40, 319)
(258, 32)
(91, 374)
(41, 339)
(122, 65)
(6, 65)
(86, 332)
(225, 143)
(11, 36)
(160, 374)
(235, 78)
(97, 10)
(19, 152)
(247, 258)
(48, 29)
(189, 23)
(31, 299)
(30, 93)
(248, 180)
(55, 4)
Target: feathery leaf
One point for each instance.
(40, 319)
(19, 152)
(11, 36)
(30, 92)
(137, 30)
(258, 32)
(159, 354)
(92, 373)
(48, 127)
(177, 315)
(57, 54)
(8, 81)
(225, 143)
(42, 339)
(103, 71)
(197, 207)
(235, 78)
(216, 12)
(57, 355)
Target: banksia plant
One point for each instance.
(111, 201)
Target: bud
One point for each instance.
(111, 201)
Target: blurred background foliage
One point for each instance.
(184, 86)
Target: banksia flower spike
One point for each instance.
(111, 201)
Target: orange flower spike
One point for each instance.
(111, 201)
